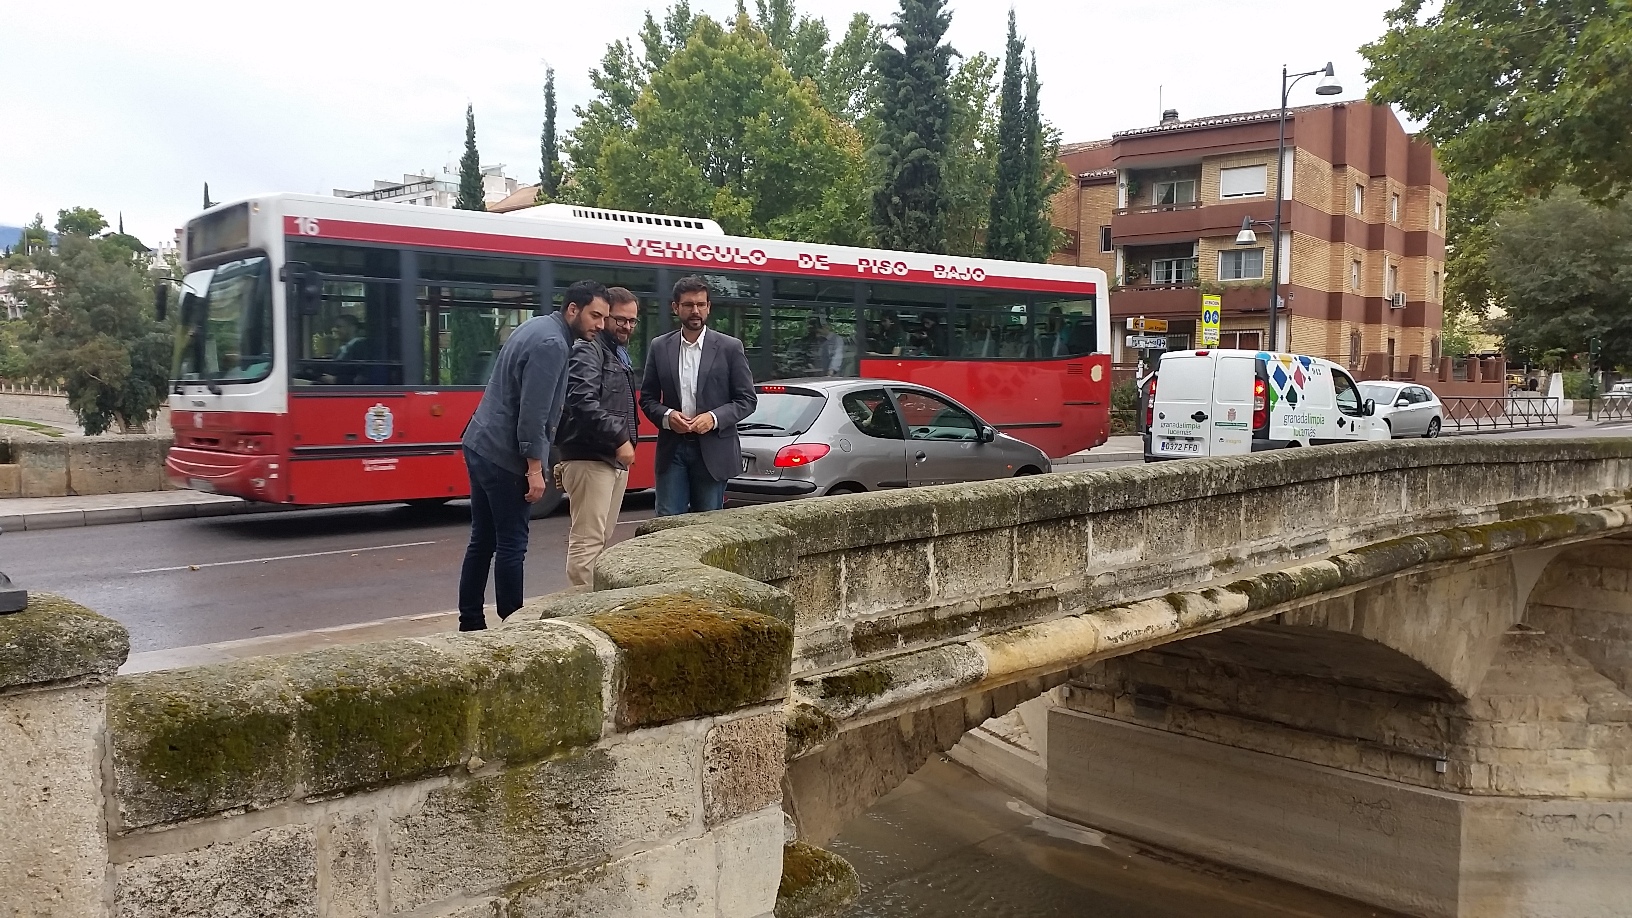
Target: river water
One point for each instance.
(947, 843)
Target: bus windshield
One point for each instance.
(225, 332)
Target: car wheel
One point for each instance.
(1433, 429)
(1028, 470)
(846, 489)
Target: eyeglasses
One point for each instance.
(621, 321)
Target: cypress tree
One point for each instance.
(914, 114)
(470, 169)
(1034, 203)
(470, 334)
(549, 168)
(1005, 231)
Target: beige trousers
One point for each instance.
(595, 491)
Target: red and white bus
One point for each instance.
(330, 350)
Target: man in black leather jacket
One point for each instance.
(598, 434)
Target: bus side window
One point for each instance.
(1065, 326)
(907, 320)
(989, 324)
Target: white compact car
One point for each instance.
(1228, 403)
(1408, 409)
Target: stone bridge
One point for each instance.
(739, 685)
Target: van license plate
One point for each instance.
(1192, 447)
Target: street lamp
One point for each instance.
(1328, 86)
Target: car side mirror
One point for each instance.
(1370, 408)
(987, 434)
(161, 301)
(1402, 403)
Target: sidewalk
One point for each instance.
(18, 514)
(1116, 449)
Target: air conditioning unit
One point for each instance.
(1397, 301)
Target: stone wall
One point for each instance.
(626, 762)
(84, 465)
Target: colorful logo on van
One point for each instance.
(1288, 374)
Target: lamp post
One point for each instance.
(1329, 86)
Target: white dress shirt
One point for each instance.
(691, 360)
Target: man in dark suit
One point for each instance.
(696, 388)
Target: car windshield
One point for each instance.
(1382, 395)
(225, 328)
(782, 412)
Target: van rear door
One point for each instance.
(1232, 404)
(1182, 422)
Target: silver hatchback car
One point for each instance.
(845, 436)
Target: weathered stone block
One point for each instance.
(545, 820)
(815, 883)
(1051, 550)
(43, 467)
(348, 852)
(1116, 539)
(53, 850)
(973, 564)
(681, 658)
(748, 853)
(817, 591)
(249, 733)
(11, 480)
(677, 880)
(743, 761)
(54, 640)
(886, 576)
(117, 465)
(271, 872)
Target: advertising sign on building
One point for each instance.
(1211, 310)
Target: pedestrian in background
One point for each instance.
(507, 444)
(696, 387)
(598, 434)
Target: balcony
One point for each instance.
(1183, 301)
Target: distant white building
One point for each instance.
(440, 190)
(12, 285)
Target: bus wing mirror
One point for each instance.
(306, 286)
(161, 301)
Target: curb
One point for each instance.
(102, 516)
(1098, 460)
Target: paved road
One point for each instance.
(178, 583)
(266, 574)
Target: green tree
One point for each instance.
(470, 333)
(1518, 98)
(971, 155)
(610, 113)
(1563, 266)
(847, 83)
(549, 167)
(1006, 230)
(81, 221)
(724, 130)
(91, 326)
(914, 121)
(1044, 176)
(803, 40)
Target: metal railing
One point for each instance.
(1469, 413)
(1612, 408)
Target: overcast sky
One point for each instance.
(132, 107)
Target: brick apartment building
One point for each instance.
(1363, 219)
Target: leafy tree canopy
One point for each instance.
(1519, 98)
(1564, 269)
(91, 326)
(724, 130)
(81, 221)
(914, 124)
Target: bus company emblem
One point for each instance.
(694, 251)
(378, 424)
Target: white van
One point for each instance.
(1228, 403)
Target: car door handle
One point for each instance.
(921, 457)
(1199, 416)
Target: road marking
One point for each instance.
(309, 554)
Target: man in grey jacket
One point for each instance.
(507, 444)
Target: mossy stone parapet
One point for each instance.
(816, 883)
(55, 640)
(680, 657)
(192, 742)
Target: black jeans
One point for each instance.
(499, 521)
